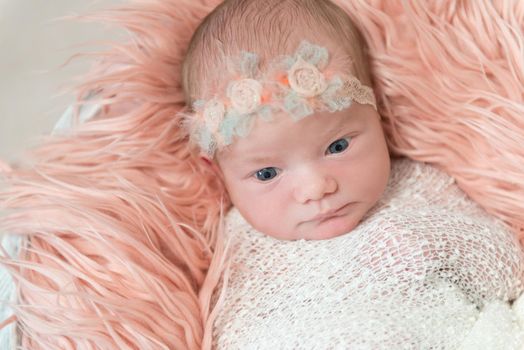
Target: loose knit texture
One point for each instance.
(414, 274)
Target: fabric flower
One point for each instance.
(214, 112)
(245, 95)
(305, 79)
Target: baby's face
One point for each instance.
(311, 179)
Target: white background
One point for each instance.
(33, 46)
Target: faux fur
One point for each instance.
(122, 220)
(450, 77)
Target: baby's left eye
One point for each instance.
(338, 146)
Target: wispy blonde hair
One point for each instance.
(269, 28)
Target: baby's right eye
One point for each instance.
(266, 174)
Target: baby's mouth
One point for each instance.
(329, 214)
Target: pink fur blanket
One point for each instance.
(122, 220)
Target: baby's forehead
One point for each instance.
(283, 133)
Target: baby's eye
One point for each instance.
(338, 146)
(266, 174)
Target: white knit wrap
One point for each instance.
(415, 274)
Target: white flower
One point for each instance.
(245, 95)
(214, 112)
(305, 79)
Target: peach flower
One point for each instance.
(245, 95)
(305, 79)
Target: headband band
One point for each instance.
(293, 84)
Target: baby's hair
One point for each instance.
(270, 28)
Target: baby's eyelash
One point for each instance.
(267, 174)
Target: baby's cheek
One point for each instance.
(262, 211)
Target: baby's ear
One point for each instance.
(206, 160)
(212, 165)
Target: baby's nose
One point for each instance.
(314, 187)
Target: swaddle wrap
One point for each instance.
(415, 274)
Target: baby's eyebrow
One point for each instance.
(258, 159)
(323, 135)
(337, 127)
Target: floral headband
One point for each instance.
(293, 84)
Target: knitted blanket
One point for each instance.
(427, 268)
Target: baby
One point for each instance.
(333, 244)
(293, 177)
